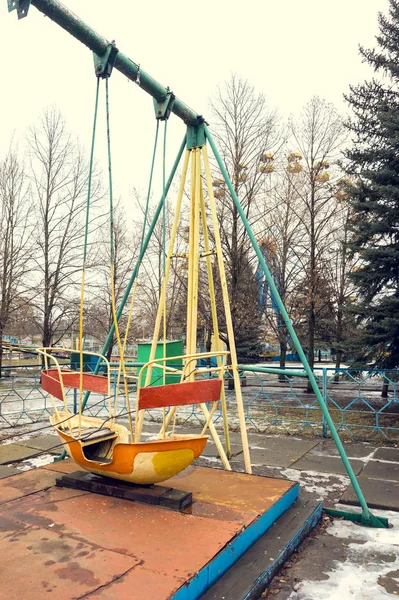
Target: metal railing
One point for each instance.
(364, 405)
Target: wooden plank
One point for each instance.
(180, 394)
(93, 383)
(252, 573)
(93, 434)
(165, 497)
(51, 385)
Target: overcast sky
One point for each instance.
(287, 49)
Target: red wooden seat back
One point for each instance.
(91, 383)
(179, 394)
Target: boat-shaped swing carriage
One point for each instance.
(106, 447)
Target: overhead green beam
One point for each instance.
(66, 19)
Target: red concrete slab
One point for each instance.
(74, 544)
(154, 535)
(230, 489)
(26, 483)
(37, 563)
(63, 466)
(147, 585)
(48, 497)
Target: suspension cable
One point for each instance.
(82, 288)
(112, 266)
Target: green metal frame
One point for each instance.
(197, 134)
(66, 19)
(21, 6)
(104, 64)
(163, 108)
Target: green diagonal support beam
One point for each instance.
(139, 260)
(367, 518)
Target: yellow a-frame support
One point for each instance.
(200, 170)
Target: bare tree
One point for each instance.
(59, 176)
(151, 276)
(15, 242)
(245, 131)
(318, 136)
(342, 262)
(280, 234)
(99, 303)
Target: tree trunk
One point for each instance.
(385, 388)
(338, 336)
(1, 356)
(283, 353)
(208, 344)
(312, 286)
(338, 360)
(311, 345)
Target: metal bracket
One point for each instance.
(196, 135)
(21, 6)
(104, 64)
(164, 107)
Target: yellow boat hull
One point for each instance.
(144, 463)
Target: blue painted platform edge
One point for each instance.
(216, 567)
(265, 578)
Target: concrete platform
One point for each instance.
(391, 454)
(378, 493)
(7, 471)
(327, 447)
(326, 464)
(50, 443)
(70, 544)
(253, 572)
(14, 453)
(376, 469)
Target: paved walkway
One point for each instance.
(314, 462)
(366, 560)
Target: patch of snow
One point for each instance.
(33, 430)
(357, 577)
(210, 458)
(321, 484)
(37, 461)
(364, 459)
(387, 462)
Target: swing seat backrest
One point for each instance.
(91, 383)
(180, 394)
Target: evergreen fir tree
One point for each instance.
(373, 165)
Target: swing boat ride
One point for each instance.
(109, 448)
(103, 446)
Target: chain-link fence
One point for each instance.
(363, 404)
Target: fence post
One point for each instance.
(324, 391)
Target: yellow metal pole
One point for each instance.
(140, 418)
(193, 296)
(229, 324)
(121, 354)
(190, 274)
(167, 266)
(195, 258)
(216, 438)
(215, 323)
